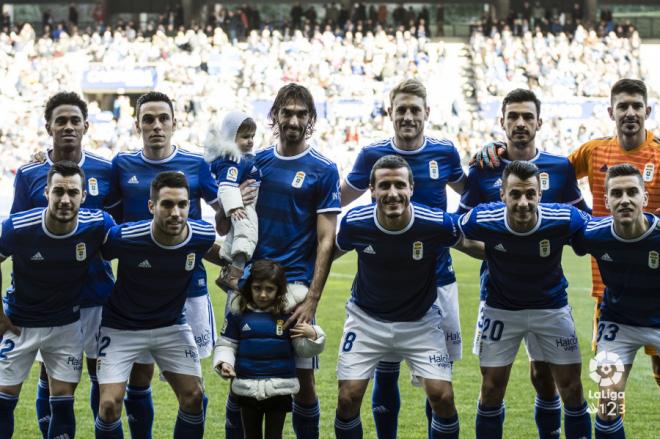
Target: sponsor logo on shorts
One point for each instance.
(606, 368)
(74, 362)
(81, 251)
(192, 353)
(433, 170)
(545, 181)
(440, 360)
(298, 180)
(568, 344)
(92, 186)
(203, 339)
(453, 338)
(654, 259)
(232, 173)
(418, 250)
(544, 248)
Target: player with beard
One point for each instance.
(297, 208)
(435, 163)
(520, 121)
(51, 249)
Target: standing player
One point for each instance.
(66, 123)
(297, 208)
(132, 175)
(393, 307)
(632, 144)
(520, 121)
(157, 261)
(51, 250)
(435, 164)
(526, 293)
(626, 246)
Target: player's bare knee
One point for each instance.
(542, 380)
(571, 392)
(141, 375)
(442, 402)
(307, 393)
(110, 408)
(492, 393)
(348, 402)
(190, 400)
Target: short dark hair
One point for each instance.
(630, 86)
(174, 179)
(248, 126)
(522, 169)
(152, 96)
(390, 162)
(623, 170)
(293, 92)
(65, 168)
(264, 270)
(521, 95)
(64, 98)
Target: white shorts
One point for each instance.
(367, 340)
(90, 321)
(534, 351)
(61, 349)
(173, 347)
(451, 323)
(503, 330)
(201, 318)
(625, 340)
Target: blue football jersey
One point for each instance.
(293, 191)
(630, 269)
(152, 278)
(396, 276)
(29, 186)
(229, 173)
(524, 269)
(49, 270)
(434, 165)
(557, 175)
(132, 174)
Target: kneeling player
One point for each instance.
(626, 246)
(145, 312)
(526, 294)
(393, 309)
(51, 250)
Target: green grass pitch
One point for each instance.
(642, 396)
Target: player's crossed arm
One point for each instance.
(475, 249)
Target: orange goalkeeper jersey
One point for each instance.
(592, 160)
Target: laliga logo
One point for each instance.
(606, 369)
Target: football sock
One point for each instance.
(233, 423)
(429, 417)
(108, 430)
(306, 420)
(62, 419)
(139, 411)
(385, 399)
(43, 407)
(94, 393)
(7, 406)
(444, 428)
(577, 421)
(547, 415)
(205, 404)
(490, 421)
(610, 429)
(189, 426)
(348, 428)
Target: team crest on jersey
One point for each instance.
(93, 186)
(433, 170)
(190, 261)
(654, 259)
(545, 181)
(81, 251)
(649, 170)
(232, 173)
(418, 250)
(544, 248)
(279, 327)
(298, 180)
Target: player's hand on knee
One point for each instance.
(489, 155)
(248, 193)
(7, 325)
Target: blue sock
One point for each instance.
(385, 399)
(94, 394)
(62, 418)
(577, 422)
(43, 407)
(490, 421)
(233, 423)
(7, 406)
(189, 425)
(306, 420)
(349, 428)
(429, 417)
(547, 415)
(139, 411)
(108, 430)
(205, 404)
(610, 429)
(444, 428)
